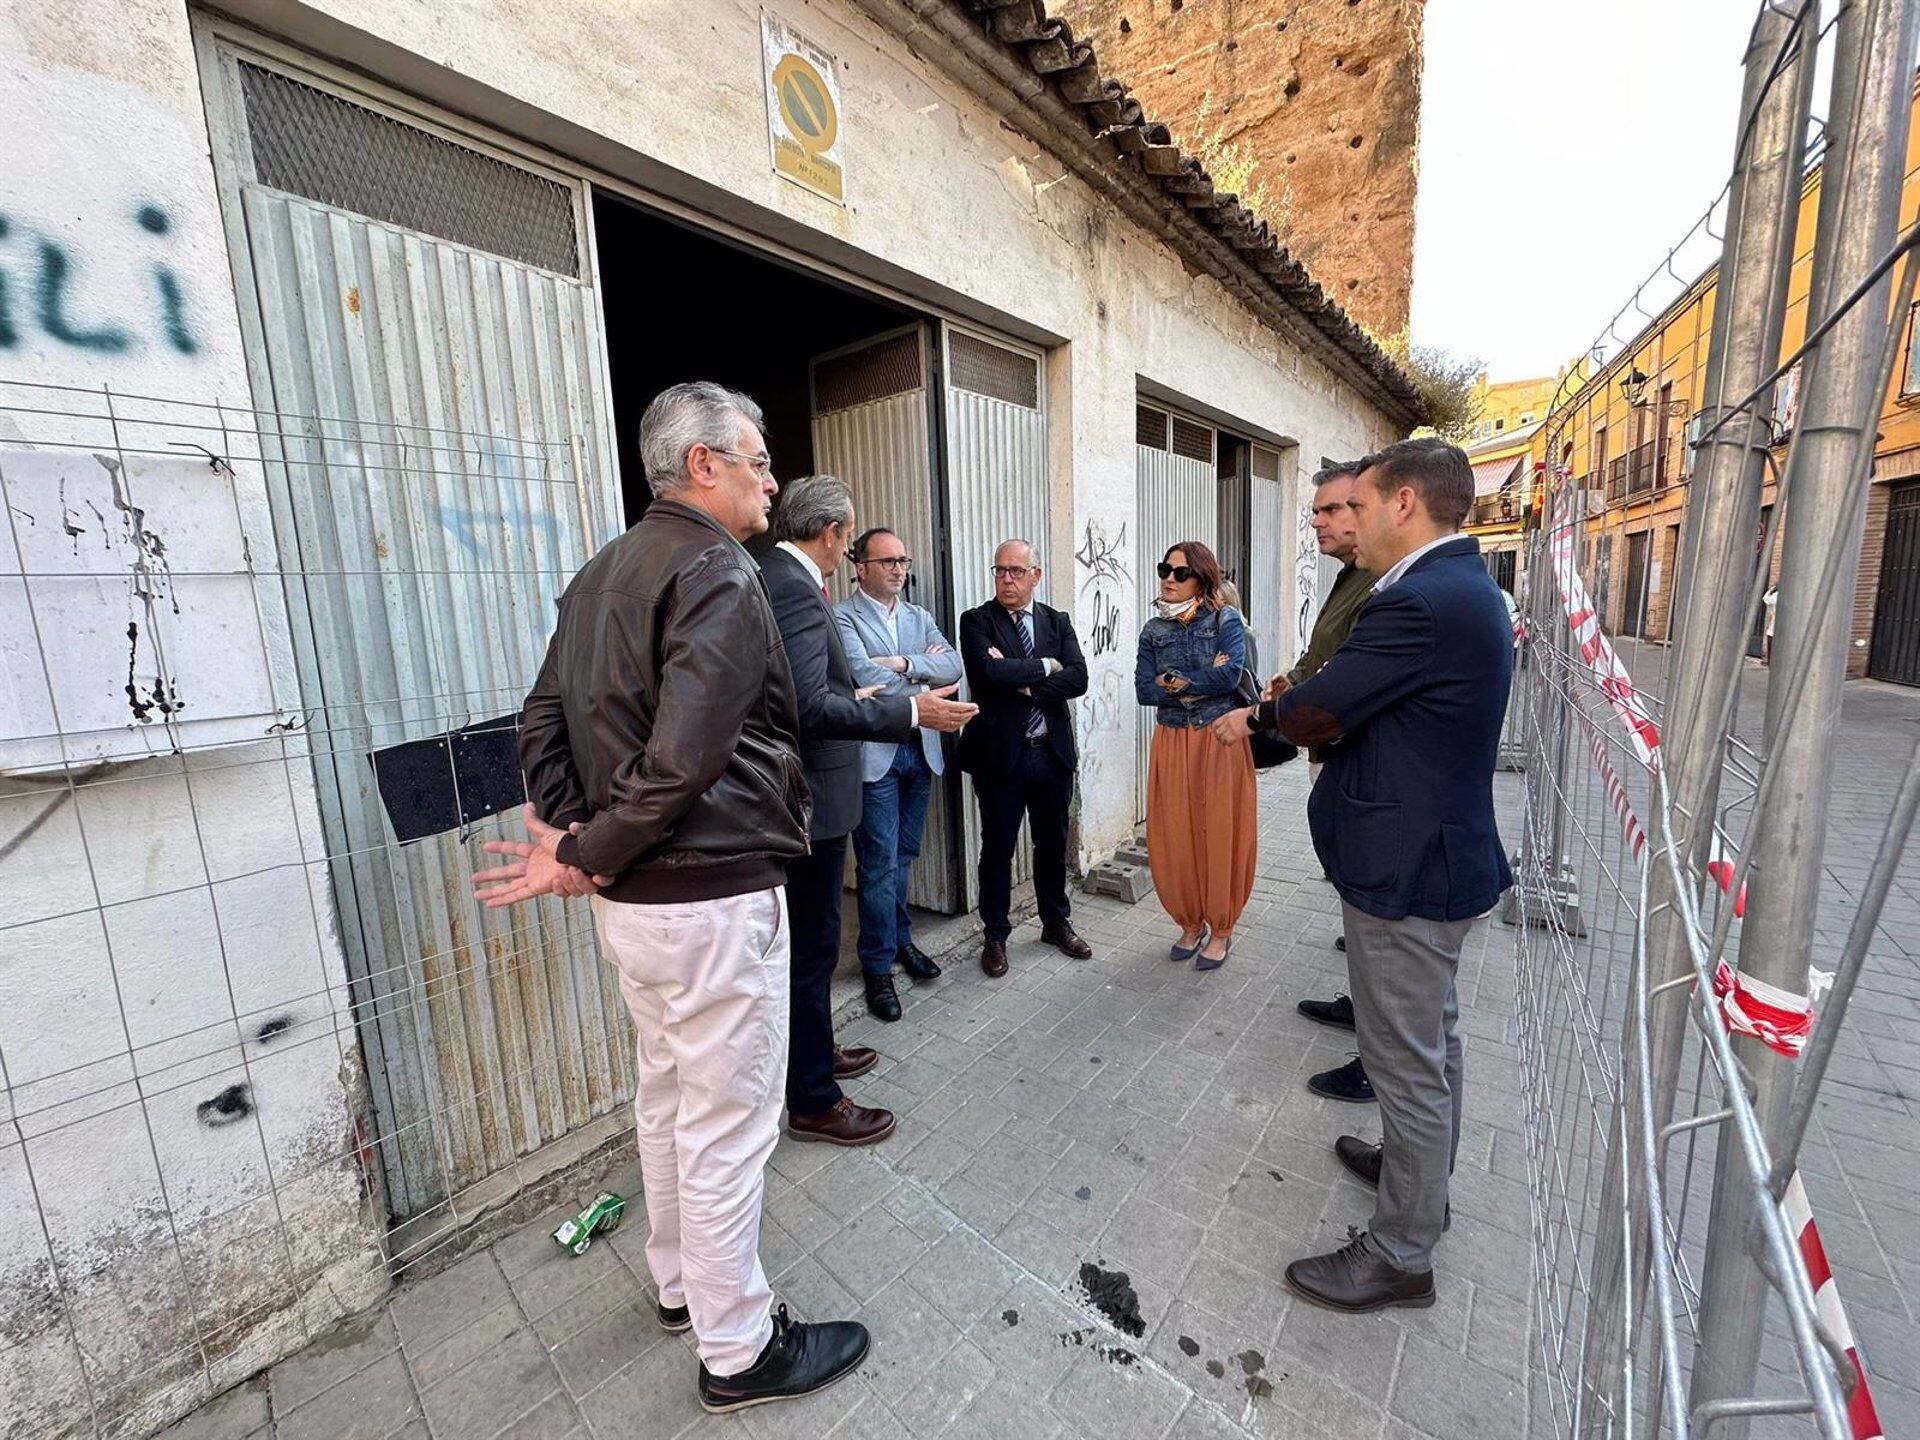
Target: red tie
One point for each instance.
(826, 594)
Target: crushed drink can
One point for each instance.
(576, 1233)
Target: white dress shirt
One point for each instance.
(1405, 562)
(806, 563)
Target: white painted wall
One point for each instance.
(937, 187)
(110, 214)
(161, 941)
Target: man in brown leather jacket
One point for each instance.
(660, 749)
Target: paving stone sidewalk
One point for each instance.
(1124, 1111)
(1133, 1114)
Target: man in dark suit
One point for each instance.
(1409, 709)
(1023, 666)
(814, 525)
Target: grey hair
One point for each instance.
(1033, 556)
(695, 412)
(1339, 470)
(810, 505)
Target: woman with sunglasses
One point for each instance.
(1200, 795)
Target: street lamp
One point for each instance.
(1634, 387)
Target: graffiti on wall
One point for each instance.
(49, 291)
(1306, 580)
(1105, 579)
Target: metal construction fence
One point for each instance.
(1684, 964)
(260, 1050)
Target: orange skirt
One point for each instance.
(1202, 826)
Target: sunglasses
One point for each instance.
(1182, 573)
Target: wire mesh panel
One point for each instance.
(249, 1011)
(319, 145)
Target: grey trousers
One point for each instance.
(1405, 1013)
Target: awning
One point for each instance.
(1490, 477)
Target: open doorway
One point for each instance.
(848, 385)
(681, 304)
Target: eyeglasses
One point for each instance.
(1182, 573)
(1013, 572)
(761, 465)
(892, 562)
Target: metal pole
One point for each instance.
(1722, 516)
(1844, 393)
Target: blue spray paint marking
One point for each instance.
(55, 273)
(51, 307)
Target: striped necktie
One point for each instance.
(1023, 622)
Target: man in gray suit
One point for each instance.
(895, 644)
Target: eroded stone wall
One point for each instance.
(1312, 107)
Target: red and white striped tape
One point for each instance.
(1862, 1418)
(1778, 1019)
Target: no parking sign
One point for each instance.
(803, 109)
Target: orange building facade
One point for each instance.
(1623, 438)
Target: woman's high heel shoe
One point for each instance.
(1201, 962)
(1180, 954)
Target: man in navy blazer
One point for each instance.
(1410, 709)
(1023, 665)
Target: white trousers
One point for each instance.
(706, 984)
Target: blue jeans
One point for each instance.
(884, 848)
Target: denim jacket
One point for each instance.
(1188, 650)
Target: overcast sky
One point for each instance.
(1563, 148)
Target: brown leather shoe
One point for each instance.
(993, 957)
(852, 1060)
(845, 1124)
(1062, 938)
(1354, 1279)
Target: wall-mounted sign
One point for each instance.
(803, 109)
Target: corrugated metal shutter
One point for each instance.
(996, 490)
(1179, 499)
(459, 477)
(871, 428)
(1267, 609)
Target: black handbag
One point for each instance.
(1269, 749)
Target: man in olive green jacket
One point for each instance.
(1333, 528)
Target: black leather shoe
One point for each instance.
(1355, 1279)
(675, 1318)
(1348, 1083)
(917, 963)
(1363, 1163)
(993, 958)
(882, 999)
(798, 1360)
(1337, 1012)
(1062, 938)
(1340, 943)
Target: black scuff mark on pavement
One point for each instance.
(1085, 1192)
(1113, 1295)
(269, 1029)
(1252, 1362)
(1189, 1346)
(1011, 1317)
(1087, 1338)
(1216, 1369)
